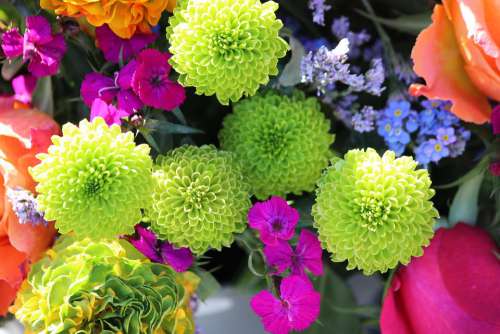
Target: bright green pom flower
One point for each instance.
(96, 287)
(199, 198)
(225, 47)
(374, 211)
(94, 180)
(283, 142)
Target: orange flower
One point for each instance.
(458, 55)
(23, 133)
(124, 17)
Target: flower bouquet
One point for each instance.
(337, 162)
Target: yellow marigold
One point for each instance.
(124, 17)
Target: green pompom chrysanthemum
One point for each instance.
(374, 211)
(283, 142)
(199, 199)
(225, 47)
(94, 180)
(83, 286)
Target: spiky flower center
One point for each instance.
(373, 211)
(226, 42)
(274, 139)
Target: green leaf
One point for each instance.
(172, 128)
(208, 284)
(291, 74)
(411, 24)
(43, 97)
(480, 168)
(464, 207)
(339, 312)
(11, 67)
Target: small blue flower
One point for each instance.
(436, 150)
(397, 147)
(397, 111)
(458, 147)
(412, 123)
(446, 135)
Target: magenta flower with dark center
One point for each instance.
(39, 47)
(306, 255)
(111, 45)
(152, 84)
(296, 309)
(274, 219)
(146, 242)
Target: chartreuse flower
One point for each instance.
(374, 211)
(282, 141)
(83, 286)
(225, 47)
(94, 180)
(199, 199)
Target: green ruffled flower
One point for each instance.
(199, 199)
(374, 211)
(225, 47)
(94, 180)
(283, 142)
(98, 287)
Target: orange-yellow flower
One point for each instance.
(23, 134)
(458, 55)
(124, 17)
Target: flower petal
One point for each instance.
(309, 252)
(279, 256)
(12, 43)
(96, 85)
(444, 71)
(38, 30)
(178, 258)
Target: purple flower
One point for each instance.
(307, 255)
(108, 112)
(495, 120)
(96, 85)
(162, 252)
(39, 46)
(494, 168)
(152, 84)
(341, 29)
(364, 120)
(25, 206)
(12, 43)
(24, 86)
(297, 308)
(274, 219)
(112, 45)
(319, 7)
(375, 77)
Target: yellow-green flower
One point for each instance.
(94, 180)
(373, 211)
(225, 47)
(199, 199)
(282, 141)
(83, 286)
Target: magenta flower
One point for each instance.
(274, 219)
(495, 120)
(42, 49)
(297, 308)
(24, 86)
(111, 45)
(108, 112)
(151, 83)
(307, 255)
(162, 252)
(96, 85)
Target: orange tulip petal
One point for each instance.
(438, 60)
(30, 239)
(11, 274)
(11, 264)
(7, 297)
